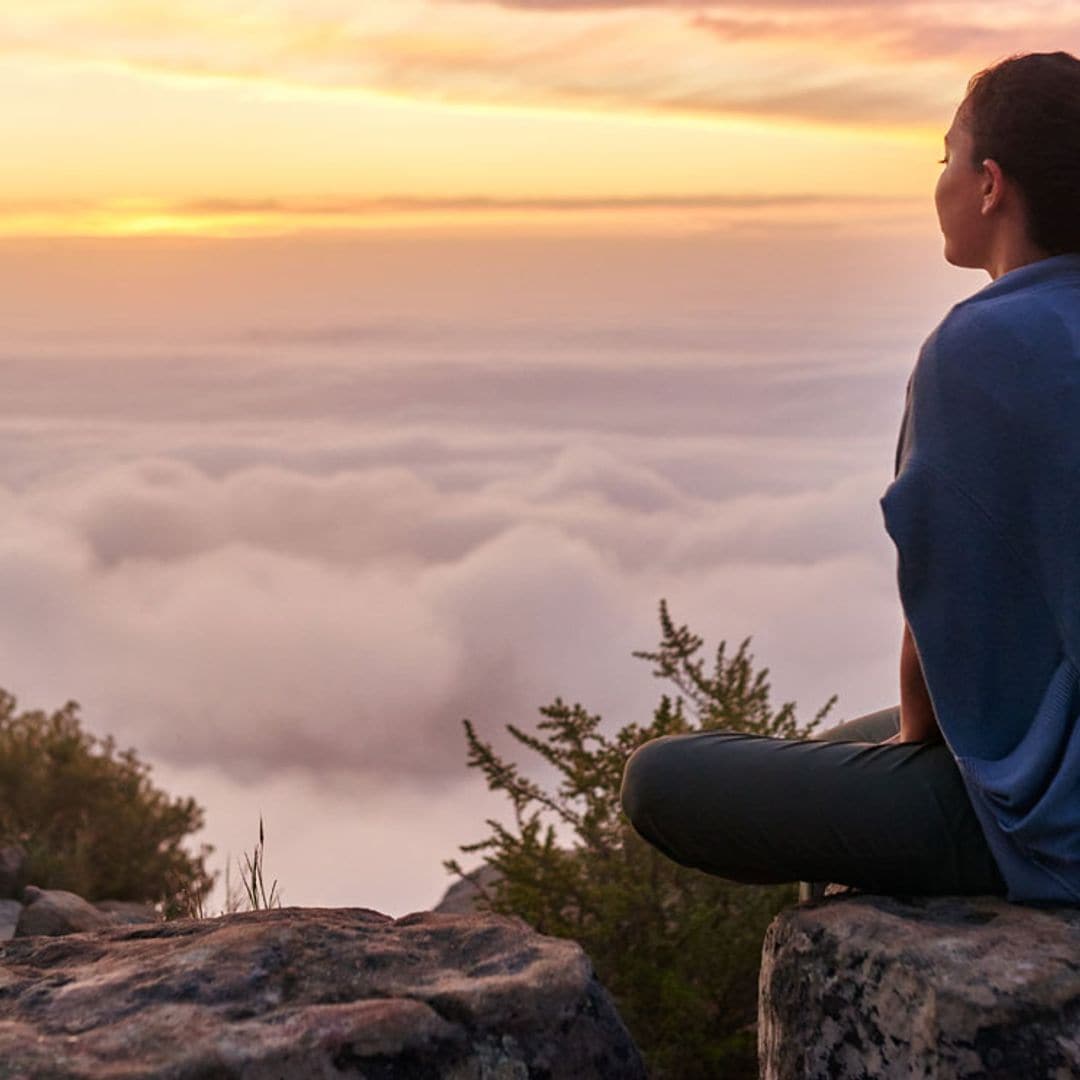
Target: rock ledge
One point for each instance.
(308, 993)
(876, 987)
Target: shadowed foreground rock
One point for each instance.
(945, 987)
(302, 994)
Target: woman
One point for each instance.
(972, 785)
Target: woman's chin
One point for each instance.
(955, 256)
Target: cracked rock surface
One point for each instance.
(868, 986)
(308, 993)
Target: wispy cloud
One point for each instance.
(894, 31)
(730, 58)
(830, 97)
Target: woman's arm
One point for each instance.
(917, 720)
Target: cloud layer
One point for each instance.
(268, 616)
(283, 553)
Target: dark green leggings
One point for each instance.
(889, 819)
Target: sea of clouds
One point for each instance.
(279, 514)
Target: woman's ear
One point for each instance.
(993, 186)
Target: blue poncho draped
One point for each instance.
(985, 515)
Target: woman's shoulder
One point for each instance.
(976, 344)
(1038, 311)
(1027, 337)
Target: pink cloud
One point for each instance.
(580, 53)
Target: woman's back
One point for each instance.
(985, 514)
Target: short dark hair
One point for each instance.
(1024, 112)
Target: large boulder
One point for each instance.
(302, 994)
(874, 987)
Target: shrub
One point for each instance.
(679, 950)
(89, 818)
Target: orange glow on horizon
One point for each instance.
(135, 218)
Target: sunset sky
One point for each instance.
(372, 364)
(221, 116)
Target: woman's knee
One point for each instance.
(671, 783)
(676, 797)
(646, 781)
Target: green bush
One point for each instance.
(678, 950)
(88, 817)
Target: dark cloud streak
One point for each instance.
(897, 33)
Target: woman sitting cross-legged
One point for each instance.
(973, 784)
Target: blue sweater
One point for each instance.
(985, 515)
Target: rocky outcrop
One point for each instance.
(873, 987)
(301, 994)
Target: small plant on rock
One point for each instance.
(252, 877)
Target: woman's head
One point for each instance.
(1024, 115)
